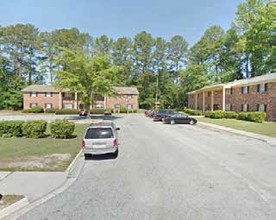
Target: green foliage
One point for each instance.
(67, 111)
(258, 117)
(51, 110)
(11, 128)
(123, 109)
(34, 129)
(61, 128)
(97, 111)
(220, 114)
(192, 111)
(35, 109)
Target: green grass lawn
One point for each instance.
(31, 151)
(265, 128)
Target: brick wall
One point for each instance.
(122, 100)
(40, 99)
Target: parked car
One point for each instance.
(82, 112)
(162, 113)
(179, 119)
(100, 138)
(107, 112)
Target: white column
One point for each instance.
(203, 101)
(223, 98)
(76, 101)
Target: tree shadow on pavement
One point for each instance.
(101, 157)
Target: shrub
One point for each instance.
(62, 128)
(252, 116)
(34, 129)
(207, 114)
(123, 109)
(230, 114)
(50, 110)
(11, 128)
(35, 109)
(258, 117)
(97, 111)
(192, 111)
(67, 112)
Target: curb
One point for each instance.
(68, 169)
(14, 207)
(267, 139)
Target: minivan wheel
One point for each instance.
(172, 122)
(87, 156)
(192, 122)
(116, 153)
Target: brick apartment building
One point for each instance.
(246, 95)
(50, 97)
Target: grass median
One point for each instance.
(42, 154)
(265, 128)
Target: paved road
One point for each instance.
(172, 172)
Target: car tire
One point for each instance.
(192, 122)
(172, 122)
(87, 156)
(115, 154)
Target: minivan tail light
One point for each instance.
(115, 143)
(83, 144)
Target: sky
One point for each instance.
(123, 18)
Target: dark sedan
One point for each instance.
(179, 119)
(161, 114)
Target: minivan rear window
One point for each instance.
(99, 133)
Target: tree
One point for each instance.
(88, 75)
(102, 45)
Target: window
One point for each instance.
(228, 91)
(244, 107)
(209, 94)
(129, 96)
(262, 87)
(33, 94)
(99, 97)
(245, 89)
(99, 133)
(48, 105)
(68, 106)
(33, 105)
(228, 107)
(129, 106)
(117, 106)
(48, 94)
(100, 105)
(67, 95)
(261, 107)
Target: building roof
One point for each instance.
(242, 82)
(47, 88)
(43, 88)
(126, 90)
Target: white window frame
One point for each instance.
(227, 107)
(99, 106)
(228, 91)
(33, 105)
(33, 94)
(66, 106)
(245, 107)
(129, 106)
(262, 87)
(48, 105)
(48, 94)
(117, 106)
(261, 107)
(68, 95)
(129, 96)
(245, 90)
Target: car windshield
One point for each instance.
(162, 111)
(99, 133)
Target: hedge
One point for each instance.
(193, 112)
(35, 109)
(220, 114)
(258, 117)
(67, 112)
(50, 110)
(34, 129)
(97, 111)
(11, 128)
(61, 128)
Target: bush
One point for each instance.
(216, 114)
(230, 114)
(62, 128)
(50, 110)
(35, 109)
(67, 112)
(11, 128)
(34, 129)
(192, 111)
(123, 109)
(258, 117)
(97, 111)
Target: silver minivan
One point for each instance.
(100, 138)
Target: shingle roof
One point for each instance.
(42, 88)
(47, 88)
(126, 90)
(254, 80)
